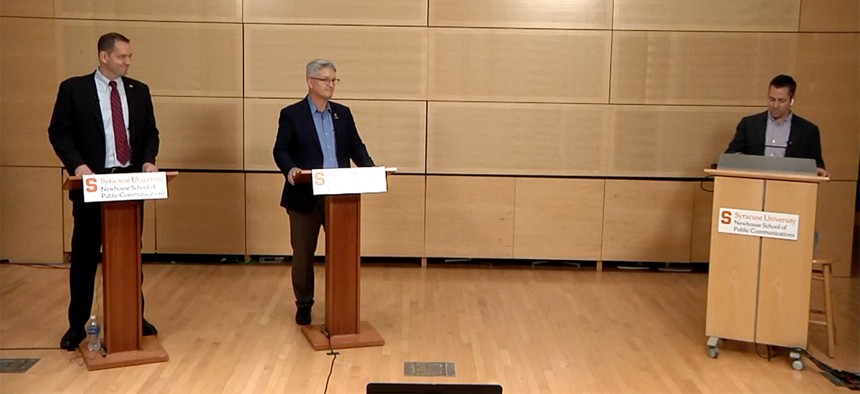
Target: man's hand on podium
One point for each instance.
(291, 176)
(83, 169)
(821, 172)
(149, 167)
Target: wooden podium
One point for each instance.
(124, 342)
(343, 327)
(758, 287)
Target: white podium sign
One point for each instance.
(124, 187)
(759, 223)
(349, 180)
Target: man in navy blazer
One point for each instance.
(103, 122)
(778, 131)
(313, 133)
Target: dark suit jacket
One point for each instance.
(298, 145)
(804, 139)
(77, 130)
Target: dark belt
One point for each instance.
(118, 170)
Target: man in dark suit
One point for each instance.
(313, 133)
(778, 131)
(103, 122)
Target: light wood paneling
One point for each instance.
(275, 59)
(647, 221)
(268, 224)
(727, 15)
(483, 138)
(392, 223)
(668, 140)
(393, 131)
(182, 59)
(703, 200)
(147, 236)
(33, 8)
(519, 65)
(558, 218)
(31, 223)
(550, 14)
(828, 94)
(160, 10)
(199, 133)
(835, 228)
(698, 68)
(325, 12)
(204, 214)
(28, 87)
(469, 217)
(831, 15)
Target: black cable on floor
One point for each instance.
(331, 352)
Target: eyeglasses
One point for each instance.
(326, 81)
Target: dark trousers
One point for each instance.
(86, 254)
(304, 232)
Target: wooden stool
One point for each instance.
(822, 269)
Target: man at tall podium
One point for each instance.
(103, 122)
(778, 132)
(313, 133)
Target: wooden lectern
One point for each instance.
(343, 327)
(758, 287)
(124, 342)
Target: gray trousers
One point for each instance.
(304, 232)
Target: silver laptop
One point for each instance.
(737, 161)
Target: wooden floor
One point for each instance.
(229, 328)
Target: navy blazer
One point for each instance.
(77, 131)
(804, 139)
(298, 146)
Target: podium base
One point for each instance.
(150, 351)
(366, 337)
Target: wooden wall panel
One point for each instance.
(31, 224)
(159, 10)
(698, 68)
(549, 14)
(147, 236)
(268, 224)
(28, 87)
(199, 132)
(703, 201)
(726, 15)
(647, 221)
(392, 223)
(204, 214)
(29, 8)
(836, 229)
(393, 131)
(496, 138)
(469, 217)
(558, 218)
(669, 140)
(275, 59)
(333, 12)
(831, 15)
(177, 59)
(519, 65)
(828, 94)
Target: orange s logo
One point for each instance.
(319, 180)
(726, 217)
(91, 184)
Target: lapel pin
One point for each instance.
(335, 115)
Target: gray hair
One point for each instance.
(315, 65)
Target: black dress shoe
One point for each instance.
(72, 339)
(303, 315)
(148, 329)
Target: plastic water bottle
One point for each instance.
(94, 334)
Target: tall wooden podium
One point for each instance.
(124, 342)
(343, 327)
(758, 287)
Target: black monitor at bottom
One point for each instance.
(432, 388)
